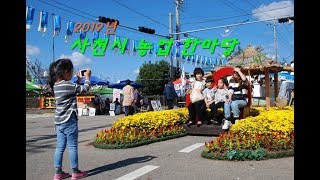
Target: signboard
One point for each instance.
(83, 100)
(156, 105)
(116, 94)
(112, 113)
(159, 105)
(86, 111)
(47, 102)
(112, 109)
(112, 106)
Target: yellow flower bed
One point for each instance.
(272, 120)
(271, 130)
(153, 120)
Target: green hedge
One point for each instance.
(131, 145)
(259, 154)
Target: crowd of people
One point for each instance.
(206, 98)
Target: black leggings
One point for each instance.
(196, 109)
(214, 111)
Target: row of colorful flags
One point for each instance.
(175, 52)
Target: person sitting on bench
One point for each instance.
(197, 107)
(208, 94)
(238, 86)
(220, 97)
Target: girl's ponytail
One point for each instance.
(52, 75)
(57, 70)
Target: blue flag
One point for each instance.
(56, 25)
(178, 52)
(224, 61)
(214, 62)
(198, 59)
(209, 62)
(193, 59)
(116, 38)
(43, 22)
(95, 35)
(82, 35)
(106, 36)
(70, 27)
(203, 59)
(173, 52)
(29, 18)
(134, 46)
(151, 51)
(127, 48)
(189, 59)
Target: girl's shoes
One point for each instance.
(63, 175)
(189, 123)
(79, 175)
(199, 123)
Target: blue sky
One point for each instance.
(115, 66)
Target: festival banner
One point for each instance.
(127, 48)
(82, 35)
(70, 28)
(193, 59)
(95, 35)
(43, 22)
(151, 51)
(29, 16)
(135, 44)
(189, 59)
(56, 25)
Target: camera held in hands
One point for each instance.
(83, 71)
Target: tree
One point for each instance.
(28, 76)
(151, 76)
(259, 49)
(35, 71)
(235, 53)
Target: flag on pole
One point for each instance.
(203, 59)
(43, 22)
(95, 35)
(183, 59)
(189, 59)
(178, 51)
(173, 52)
(29, 16)
(193, 59)
(214, 62)
(151, 51)
(127, 48)
(198, 59)
(224, 61)
(70, 27)
(82, 35)
(218, 62)
(105, 36)
(116, 38)
(209, 62)
(56, 25)
(134, 46)
(157, 50)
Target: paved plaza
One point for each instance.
(176, 159)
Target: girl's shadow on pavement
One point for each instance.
(119, 164)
